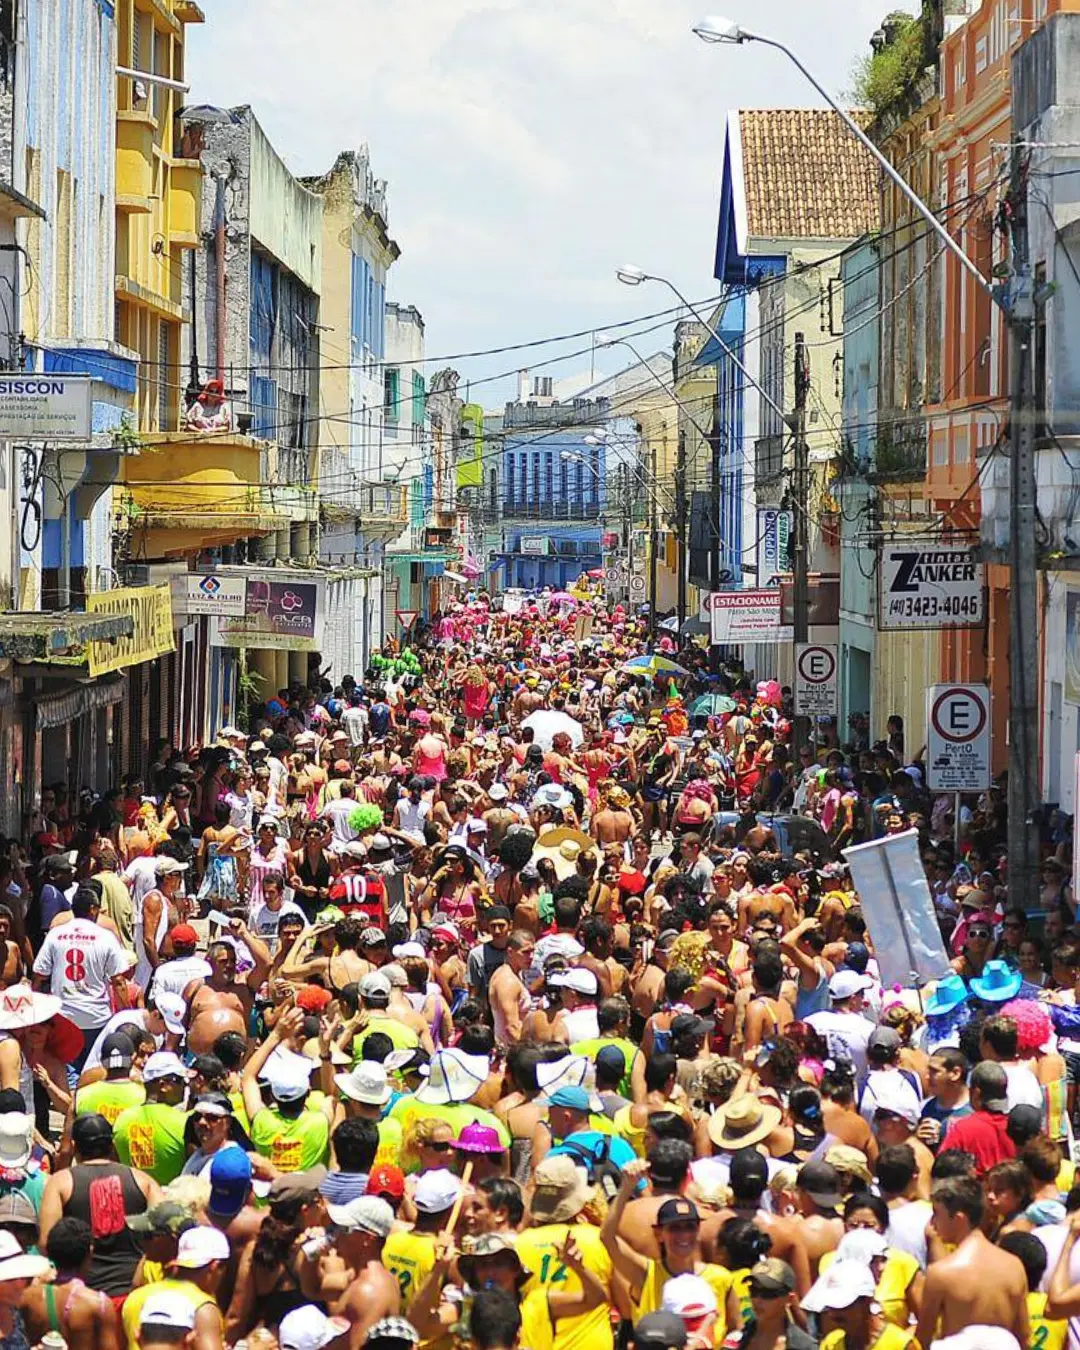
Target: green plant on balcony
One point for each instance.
(894, 66)
(899, 452)
(125, 437)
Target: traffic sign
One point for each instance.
(815, 680)
(958, 737)
(406, 617)
(637, 585)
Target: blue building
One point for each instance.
(552, 489)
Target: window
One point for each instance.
(536, 478)
(493, 492)
(550, 480)
(164, 376)
(391, 397)
(510, 483)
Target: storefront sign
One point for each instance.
(150, 609)
(533, 543)
(45, 408)
(221, 595)
(282, 614)
(746, 616)
(926, 584)
(773, 534)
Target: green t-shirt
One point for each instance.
(591, 1048)
(403, 1037)
(151, 1137)
(292, 1143)
(109, 1099)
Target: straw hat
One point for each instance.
(743, 1122)
(563, 847)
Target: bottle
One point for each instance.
(52, 1340)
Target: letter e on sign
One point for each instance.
(815, 680)
(958, 737)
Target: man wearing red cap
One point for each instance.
(185, 965)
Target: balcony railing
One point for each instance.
(899, 453)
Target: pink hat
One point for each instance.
(479, 1139)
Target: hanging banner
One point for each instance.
(150, 610)
(225, 596)
(284, 612)
(899, 911)
(773, 536)
(747, 616)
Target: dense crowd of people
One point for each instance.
(518, 994)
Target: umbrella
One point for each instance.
(654, 665)
(563, 598)
(670, 625)
(711, 705)
(596, 573)
(547, 723)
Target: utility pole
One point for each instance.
(1024, 787)
(680, 523)
(654, 541)
(800, 542)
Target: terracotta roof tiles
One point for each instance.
(806, 176)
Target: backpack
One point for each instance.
(597, 1163)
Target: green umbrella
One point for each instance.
(711, 705)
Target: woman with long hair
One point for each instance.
(267, 1282)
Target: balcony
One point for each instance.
(184, 492)
(185, 202)
(1057, 477)
(899, 454)
(134, 160)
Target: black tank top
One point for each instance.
(106, 1195)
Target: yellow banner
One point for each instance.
(150, 607)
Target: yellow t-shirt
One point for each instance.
(403, 1037)
(388, 1153)
(626, 1129)
(410, 1258)
(591, 1048)
(1047, 1333)
(109, 1099)
(134, 1302)
(151, 1137)
(718, 1278)
(537, 1333)
(292, 1143)
(899, 1270)
(538, 1251)
(892, 1338)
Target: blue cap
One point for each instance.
(857, 958)
(230, 1181)
(573, 1098)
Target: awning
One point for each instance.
(54, 710)
(31, 635)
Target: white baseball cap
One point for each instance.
(843, 1284)
(576, 978)
(172, 1008)
(201, 1245)
(164, 1064)
(168, 1310)
(498, 792)
(309, 1328)
(288, 1079)
(365, 1214)
(15, 1264)
(436, 1191)
(688, 1296)
(848, 983)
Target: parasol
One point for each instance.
(563, 598)
(654, 665)
(711, 705)
(546, 724)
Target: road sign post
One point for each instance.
(816, 693)
(958, 738)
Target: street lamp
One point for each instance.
(1017, 304)
(715, 29)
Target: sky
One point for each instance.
(530, 146)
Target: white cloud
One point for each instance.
(531, 146)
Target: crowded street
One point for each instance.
(483, 997)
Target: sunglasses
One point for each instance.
(760, 1291)
(440, 1145)
(201, 1118)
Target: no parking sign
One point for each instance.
(815, 680)
(958, 737)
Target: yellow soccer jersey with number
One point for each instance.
(538, 1250)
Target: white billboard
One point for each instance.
(45, 408)
(925, 584)
(746, 616)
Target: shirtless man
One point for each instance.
(498, 817)
(526, 701)
(613, 823)
(351, 1276)
(978, 1284)
(669, 1167)
(760, 902)
(597, 937)
(649, 986)
(818, 1196)
(15, 963)
(222, 1002)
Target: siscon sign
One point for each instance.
(925, 584)
(150, 609)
